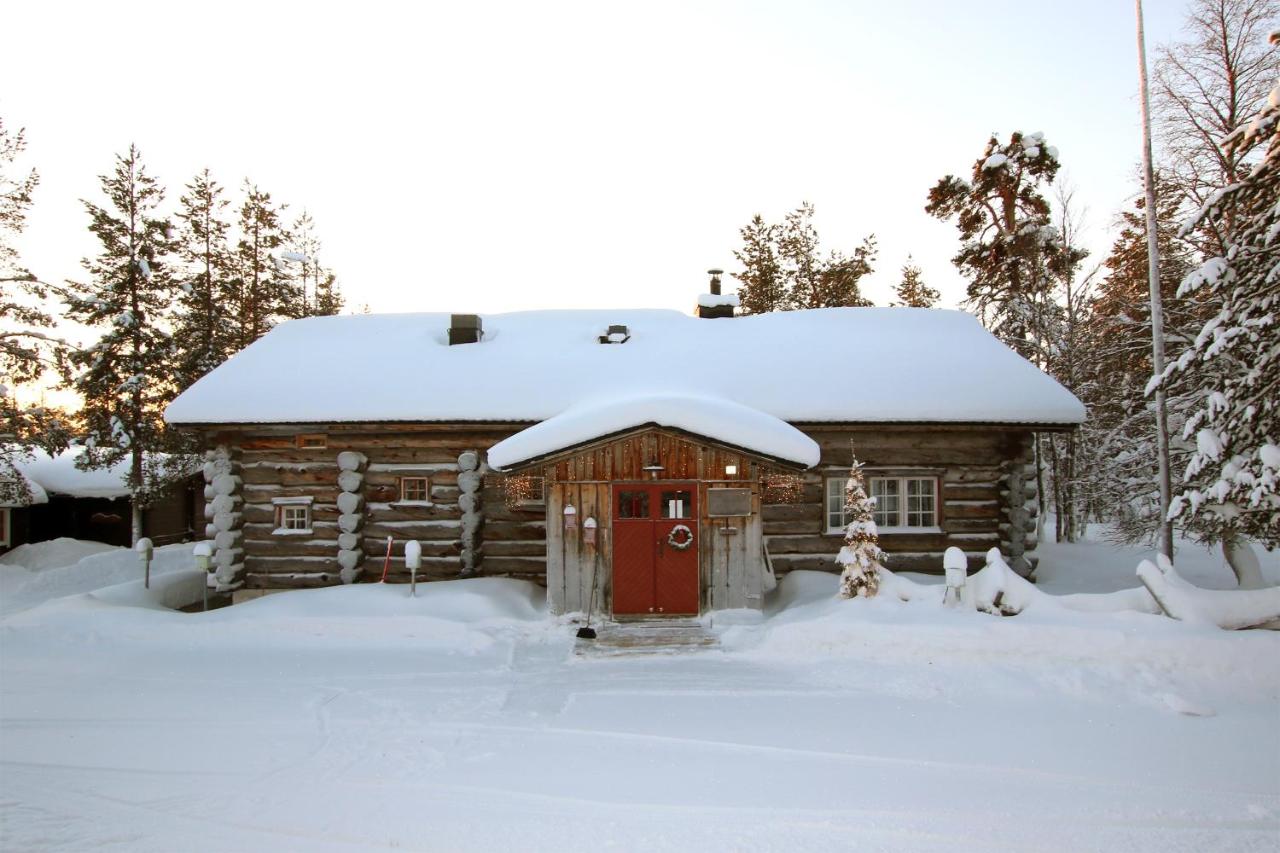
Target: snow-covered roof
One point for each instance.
(725, 421)
(58, 475)
(15, 468)
(831, 364)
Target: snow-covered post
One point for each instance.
(223, 493)
(351, 466)
(203, 553)
(470, 484)
(144, 549)
(413, 560)
(956, 566)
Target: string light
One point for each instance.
(783, 488)
(520, 489)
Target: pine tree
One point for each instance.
(1231, 486)
(811, 281)
(126, 378)
(265, 292)
(328, 301)
(762, 288)
(912, 292)
(1118, 470)
(861, 555)
(1009, 250)
(205, 328)
(785, 270)
(28, 351)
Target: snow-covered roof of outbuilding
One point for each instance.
(725, 421)
(58, 475)
(831, 364)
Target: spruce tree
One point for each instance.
(205, 334)
(126, 376)
(1231, 485)
(912, 292)
(860, 556)
(28, 349)
(1009, 250)
(265, 292)
(762, 288)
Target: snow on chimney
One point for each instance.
(715, 304)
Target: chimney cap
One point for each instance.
(714, 271)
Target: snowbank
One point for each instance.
(63, 551)
(721, 420)
(22, 588)
(533, 365)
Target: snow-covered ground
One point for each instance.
(357, 718)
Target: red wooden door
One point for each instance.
(655, 549)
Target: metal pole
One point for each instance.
(1157, 311)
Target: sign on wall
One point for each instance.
(727, 503)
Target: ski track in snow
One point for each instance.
(357, 719)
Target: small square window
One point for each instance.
(533, 492)
(293, 515)
(313, 441)
(415, 490)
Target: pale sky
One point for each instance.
(490, 157)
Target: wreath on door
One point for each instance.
(680, 537)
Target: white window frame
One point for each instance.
(426, 490)
(829, 494)
(286, 506)
(5, 530)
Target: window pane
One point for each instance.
(633, 504)
(677, 504)
(835, 503)
(413, 489)
(888, 501)
(921, 503)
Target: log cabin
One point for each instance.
(640, 462)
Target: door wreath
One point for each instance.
(680, 537)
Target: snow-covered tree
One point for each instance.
(1231, 486)
(28, 348)
(1207, 84)
(317, 289)
(266, 293)
(912, 292)
(860, 556)
(761, 287)
(126, 377)
(1118, 475)
(204, 335)
(1010, 251)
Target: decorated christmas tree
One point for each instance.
(861, 554)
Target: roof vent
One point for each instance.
(616, 335)
(715, 304)
(465, 329)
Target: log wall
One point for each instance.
(986, 500)
(973, 465)
(506, 541)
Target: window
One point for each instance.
(633, 504)
(902, 503)
(313, 441)
(532, 492)
(293, 515)
(416, 490)
(677, 504)
(4, 527)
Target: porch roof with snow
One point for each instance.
(838, 365)
(719, 420)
